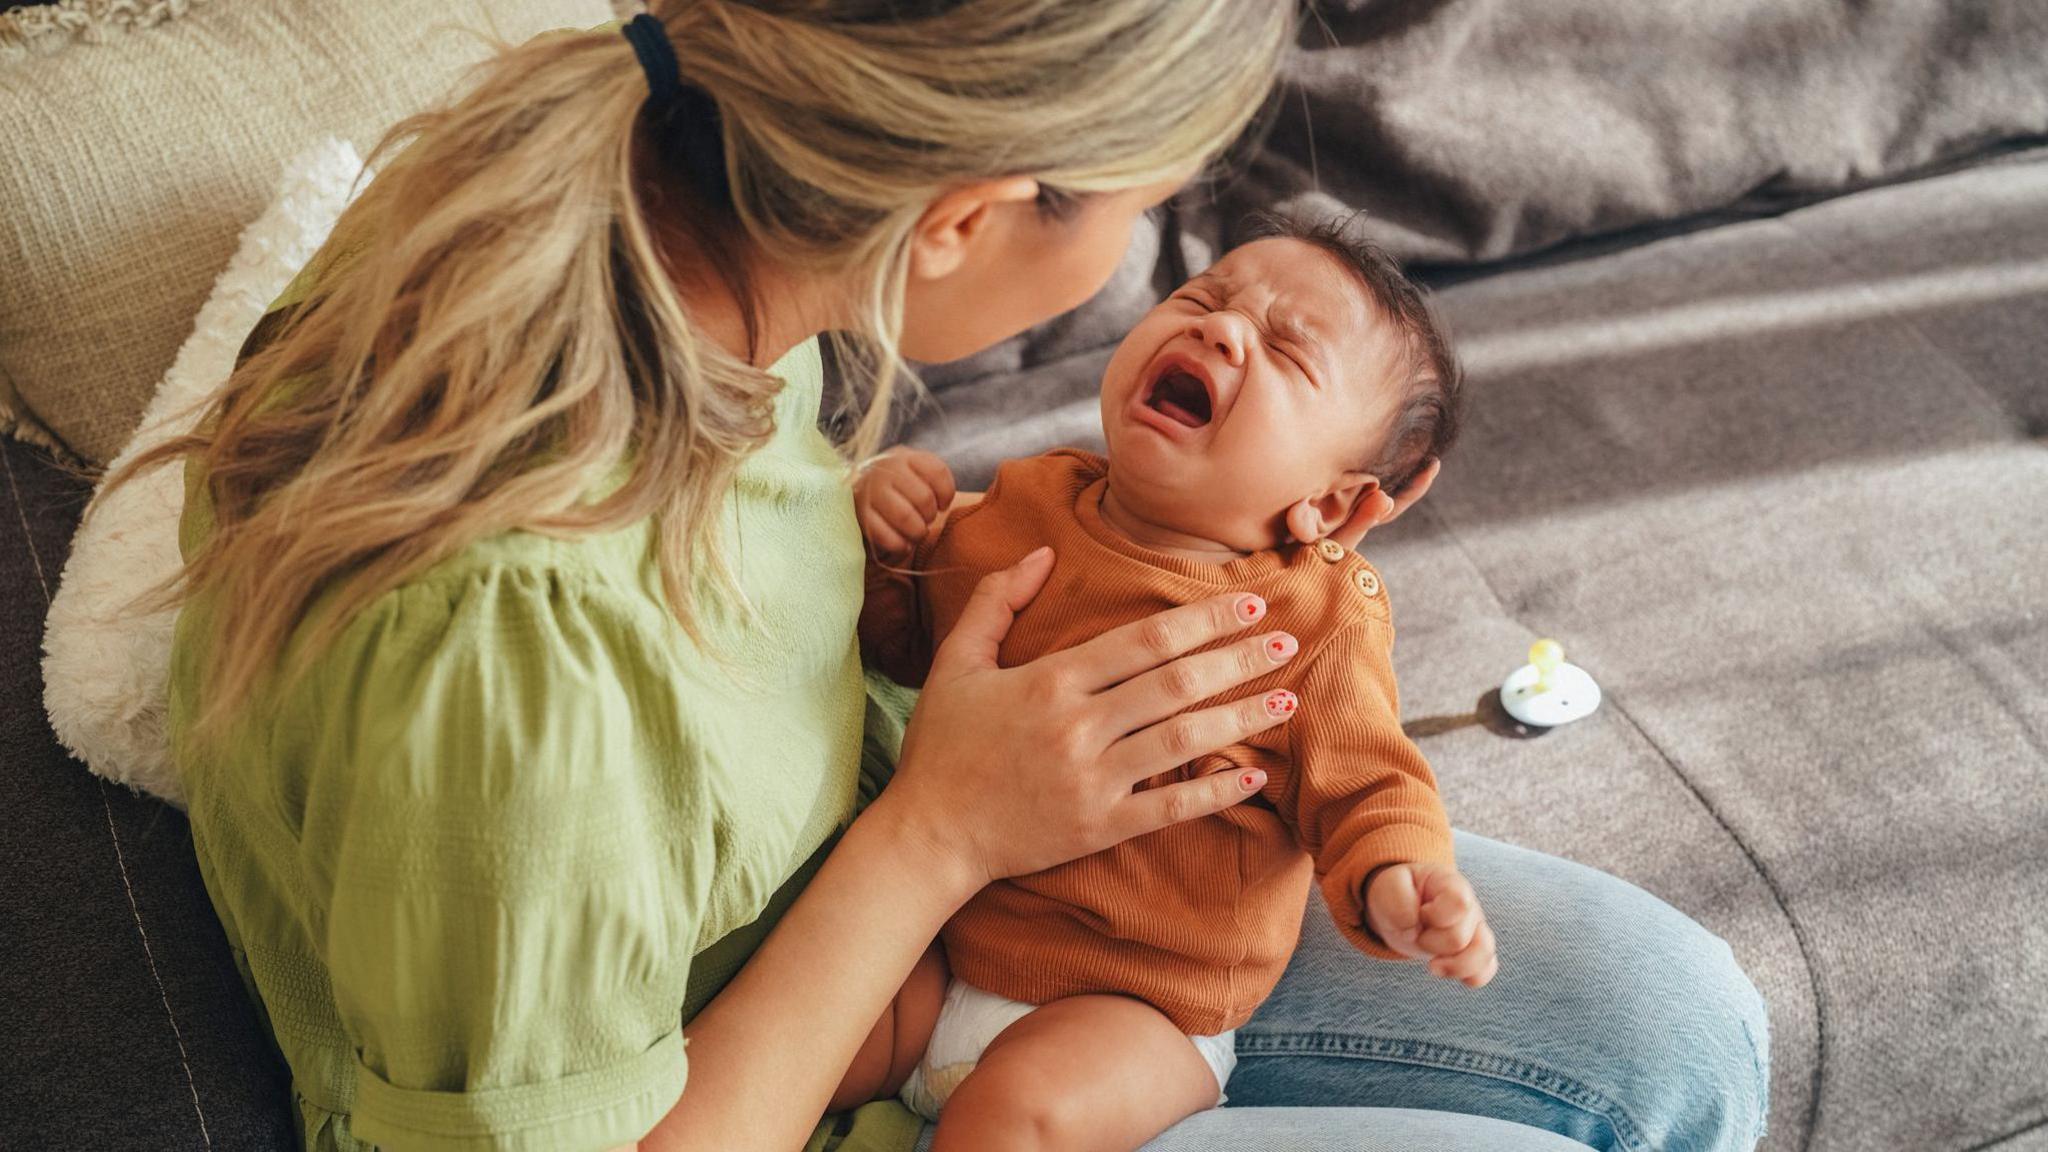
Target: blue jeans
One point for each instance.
(1615, 1022)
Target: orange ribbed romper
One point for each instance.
(1197, 919)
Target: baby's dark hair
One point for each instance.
(1427, 422)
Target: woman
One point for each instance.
(516, 688)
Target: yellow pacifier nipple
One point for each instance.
(1548, 657)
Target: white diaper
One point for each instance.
(972, 1018)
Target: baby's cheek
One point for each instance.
(1258, 464)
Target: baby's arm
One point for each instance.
(1363, 801)
(902, 499)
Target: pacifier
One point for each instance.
(1547, 692)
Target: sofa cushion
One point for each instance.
(1473, 130)
(1775, 484)
(133, 158)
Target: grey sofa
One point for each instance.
(1760, 442)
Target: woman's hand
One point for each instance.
(1012, 770)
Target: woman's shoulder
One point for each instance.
(517, 599)
(520, 650)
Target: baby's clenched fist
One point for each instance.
(1429, 911)
(898, 496)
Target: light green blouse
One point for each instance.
(480, 864)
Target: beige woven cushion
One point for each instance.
(136, 150)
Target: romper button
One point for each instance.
(1330, 550)
(1368, 581)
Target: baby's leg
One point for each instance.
(889, 1053)
(1083, 1074)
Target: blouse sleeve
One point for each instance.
(512, 886)
(1362, 795)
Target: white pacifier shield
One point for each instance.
(1572, 696)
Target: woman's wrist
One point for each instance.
(893, 829)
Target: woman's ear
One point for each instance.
(960, 220)
(1311, 519)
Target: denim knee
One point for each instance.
(1707, 1053)
(1665, 1037)
(1616, 1020)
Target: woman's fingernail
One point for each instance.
(1252, 781)
(1250, 608)
(1280, 703)
(1040, 553)
(1280, 647)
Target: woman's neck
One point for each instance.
(794, 305)
(1134, 527)
(792, 309)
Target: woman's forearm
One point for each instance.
(766, 1054)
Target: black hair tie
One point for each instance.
(685, 115)
(657, 57)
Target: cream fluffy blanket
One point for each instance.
(105, 663)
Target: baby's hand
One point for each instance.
(1430, 911)
(898, 497)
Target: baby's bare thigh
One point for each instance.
(897, 1040)
(1088, 1073)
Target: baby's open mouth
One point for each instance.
(1180, 397)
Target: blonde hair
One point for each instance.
(505, 333)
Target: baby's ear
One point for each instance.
(1311, 519)
(1375, 508)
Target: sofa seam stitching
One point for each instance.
(2009, 1137)
(21, 513)
(1778, 897)
(113, 833)
(149, 956)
